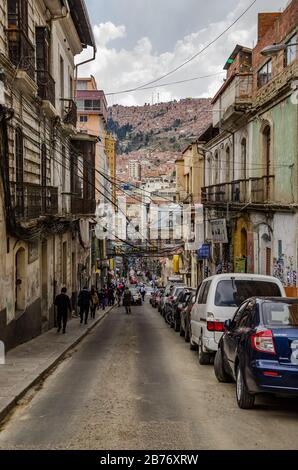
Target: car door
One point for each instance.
(232, 337)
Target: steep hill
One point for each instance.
(160, 127)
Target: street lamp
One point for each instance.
(274, 49)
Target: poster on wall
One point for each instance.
(218, 231)
(32, 252)
(240, 265)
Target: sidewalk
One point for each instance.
(28, 363)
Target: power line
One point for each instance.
(178, 82)
(190, 59)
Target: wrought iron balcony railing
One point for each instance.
(21, 51)
(46, 86)
(31, 200)
(253, 190)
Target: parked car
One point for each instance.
(155, 297)
(165, 295)
(136, 296)
(158, 297)
(217, 300)
(179, 304)
(170, 301)
(185, 317)
(259, 349)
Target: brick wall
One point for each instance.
(273, 28)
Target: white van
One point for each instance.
(217, 300)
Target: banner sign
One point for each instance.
(218, 231)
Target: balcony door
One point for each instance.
(267, 161)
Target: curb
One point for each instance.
(4, 412)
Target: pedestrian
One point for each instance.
(118, 296)
(127, 300)
(63, 306)
(93, 302)
(111, 295)
(84, 304)
(105, 298)
(100, 297)
(143, 292)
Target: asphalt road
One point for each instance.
(134, 384)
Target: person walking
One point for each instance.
(93, 302)
(143, 292)
(63, 306)
(84, 304)
(118, 297)
(127, 300)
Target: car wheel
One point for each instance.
(245, 400)
(204, 358)
(219, 368)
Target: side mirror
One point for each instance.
(228, 325)
(193, 301)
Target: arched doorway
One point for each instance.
(20, 280)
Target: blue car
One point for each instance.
(259, 349)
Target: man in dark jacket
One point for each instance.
(84, 304)
(62, 303)
(127, 300)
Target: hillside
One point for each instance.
(163, 127)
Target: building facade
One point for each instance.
(250, 195)
(44, 238)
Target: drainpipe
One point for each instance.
(83, 63)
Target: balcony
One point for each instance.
(46, 86)
(70, 114)
(232, 99)
(92, 102)
(252, 190)
(83, 206)
(21, 51)
(31, 200)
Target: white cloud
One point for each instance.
(127, 68)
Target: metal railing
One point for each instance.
(46, 86)
(21, 51)
(83, 206)
(31, 200)
(254, 190)
(70, 113)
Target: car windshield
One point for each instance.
(232, 292)
(280, 314)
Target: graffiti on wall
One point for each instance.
(285, 271)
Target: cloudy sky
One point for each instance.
(140, 40)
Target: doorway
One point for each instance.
(20, 280)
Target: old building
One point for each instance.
(44, 233)
(250, 194)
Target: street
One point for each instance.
(134, 384)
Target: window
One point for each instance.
(228, 164)
(231, 293)
(239, 314)
(92, 105)
(206, 291)
(280, 314)
(265, 74)
(290, 52)
(82, 85)
(83, 118)
(243, 159)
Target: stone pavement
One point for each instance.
(30, 362)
